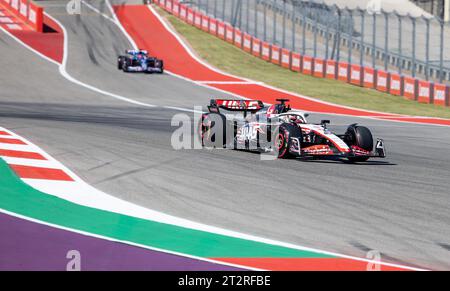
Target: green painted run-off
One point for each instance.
(20, 198)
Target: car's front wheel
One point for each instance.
(361, 137)
(283, 140)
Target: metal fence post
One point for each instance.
(223, 9)
(315, 33)
(256, 18)
(338, 50)
(350, 13)
(303, 30)
(441, 53)
(247, 16)
(215, 9)
(283, 41)
(413, 66)
(427, 49)
(293, 25)
(207, 6)
(362, 50)
(327, 38)
(232, 19)
(274, 32)
(400, 61)
(386, 39)
(374, 39)
(265, 22)
(239, 12)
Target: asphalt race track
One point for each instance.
(399, 206)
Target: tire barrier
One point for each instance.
(275, 54)
(369, 78)
(286, 58)
(247, 43)
(306, 65)
(356, 73)
(265, 51)
(343, 71)
(256, 47)
(395, 82)
(237, 38)
(318, 68)
(331, 69)
(229, 33)
(205, 23)
(295, 63)
(381, 81)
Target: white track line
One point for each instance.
(97, 11)
(229, 82)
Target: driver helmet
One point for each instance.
(295, 119)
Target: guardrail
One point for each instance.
(28, 11)
(364, 76)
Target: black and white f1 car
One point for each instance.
(249, 125)
(139, 61)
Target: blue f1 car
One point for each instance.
(139, 61)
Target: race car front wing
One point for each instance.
(378, 152)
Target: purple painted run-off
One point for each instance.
(26, 245)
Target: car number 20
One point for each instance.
(249, 131)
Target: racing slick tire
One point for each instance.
(283, 140)
(162, 66)
(119, 63)
(125, 63)
(207, 122)
(359, 136)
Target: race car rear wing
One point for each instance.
(235, 105)
(136, 51)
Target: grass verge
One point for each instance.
(229, 58)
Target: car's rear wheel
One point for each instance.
(361, 137)
(125, 64)
(283, 140)
(211, 134)
(119, 63)
(162, 66)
